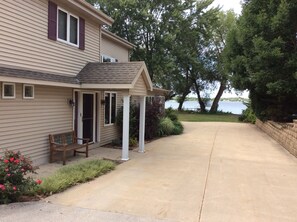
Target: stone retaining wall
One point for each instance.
(284, 133)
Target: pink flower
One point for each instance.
(16, 161)
(6, 170)
(23, 170)
(2, 187)
(38, 181)
(8, 174)
(14, 188)
(6, 161)
(11, 159)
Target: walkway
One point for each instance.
(213, 172)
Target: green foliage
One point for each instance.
(166, 127)
(248, 115)
(13, 180)
(178, 128)
(133, 142)
(261, 55)
(171, 114)
(71, 175)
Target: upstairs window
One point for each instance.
(67, 27)
(110, 108)
(105, 58)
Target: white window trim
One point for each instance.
(110, 92)
(14, 91)
(112, 59)
(68, 28)
(33, 91)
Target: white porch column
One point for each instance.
(142, 123)
(126, 112)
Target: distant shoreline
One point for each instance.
(232, 99)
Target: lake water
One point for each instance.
(225, 106)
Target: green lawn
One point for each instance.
(198, 117)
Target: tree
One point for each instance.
(150, 25)
(217, 42)
(261, 55)
(180, 41)
(189, 50)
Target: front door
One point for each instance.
(88, 116)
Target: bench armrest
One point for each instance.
(84, 139)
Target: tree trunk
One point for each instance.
(181, 101)
(215, 103)
(200, 101)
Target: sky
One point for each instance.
(229, 4)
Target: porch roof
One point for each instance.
(117, 75)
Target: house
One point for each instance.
(61, 71)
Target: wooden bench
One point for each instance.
(64, 142)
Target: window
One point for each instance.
(8, 91)
(110, 108)
(105, 58)
(28, 91)
(67, 27)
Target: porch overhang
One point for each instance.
(129, 76)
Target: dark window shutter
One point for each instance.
(52, 21)
(81, 33)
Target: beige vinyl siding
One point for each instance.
(114, 50)
(109, 132)
(26, 123)
(24, 42)
(139, 87)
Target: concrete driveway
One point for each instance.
(213, 172)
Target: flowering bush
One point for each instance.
(13, 180)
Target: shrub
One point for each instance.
(154, 113)
(166, 127)
(152, 119)
(248, 115)
(178, 128)
(133, 142)
(13, 181)
(170, 113)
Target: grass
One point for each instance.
(71, 175)
(198, 117)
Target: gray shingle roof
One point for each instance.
(26, 74)
(92, 73)
(109, 73)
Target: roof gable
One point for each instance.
(123, 75)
